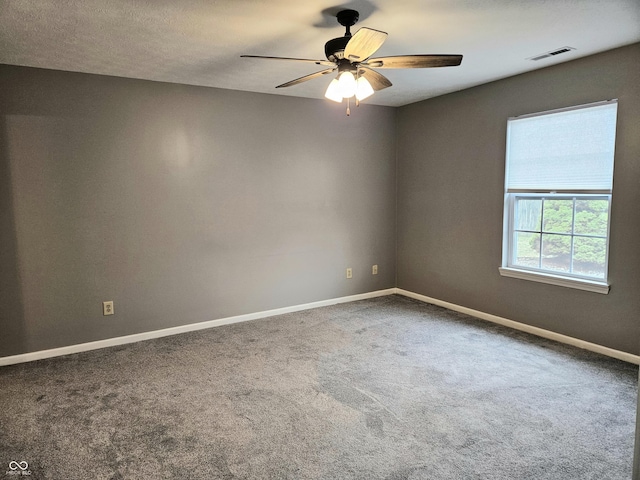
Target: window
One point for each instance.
(558, 185)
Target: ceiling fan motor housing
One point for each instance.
(334, 48)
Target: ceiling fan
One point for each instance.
(351, 56)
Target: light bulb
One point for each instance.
(363, 89)
(347, 84)
(333, 91)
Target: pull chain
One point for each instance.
(357, 78)
(348, 105)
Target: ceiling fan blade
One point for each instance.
(317, 62)
(307, 77)
(377, 80)
(415, 61)
(363, 44)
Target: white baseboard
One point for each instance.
(540, 332)
(111, 342)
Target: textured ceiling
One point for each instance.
(199, 42)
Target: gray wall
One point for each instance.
(186, 204)
(451, 153)
(181, 204)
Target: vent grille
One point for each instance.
(552, 53)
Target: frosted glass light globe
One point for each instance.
(347, 84)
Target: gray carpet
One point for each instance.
(387, 388)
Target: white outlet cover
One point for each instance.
(107, 308)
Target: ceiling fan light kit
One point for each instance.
(351, 56)
(347, 86)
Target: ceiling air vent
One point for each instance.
(552, 53)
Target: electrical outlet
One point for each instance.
(349, 273)
(374, 270)
(107, 308)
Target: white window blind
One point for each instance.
(567, 150)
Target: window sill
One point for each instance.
(588, 285)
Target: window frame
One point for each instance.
(565, 279)
(511, 269)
